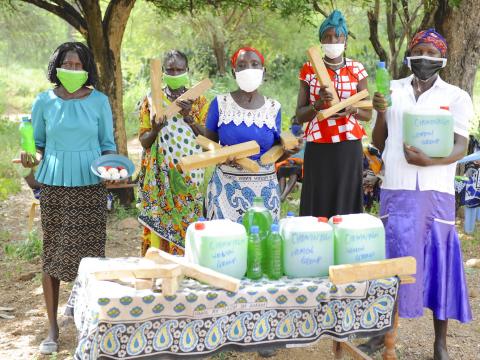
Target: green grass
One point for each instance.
(121, 212)
(28, 249)
(10, 180)
(18, 88)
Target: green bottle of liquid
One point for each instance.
(274, 254)
(259, 215)
(383, 82)
(27, 139)
(255, 255)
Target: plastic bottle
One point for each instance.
(255, 255)
(383, 82)
(274, 254)
(27, 139)
(258, 215)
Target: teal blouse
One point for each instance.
(73, 133)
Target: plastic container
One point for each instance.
(255, 255)
(220, 245)
(358, 238)
(382, 80)
(274, 254)
(430, 130)
(26, 134)
(307, 247)
(260, 216)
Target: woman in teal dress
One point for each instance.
(72, 127)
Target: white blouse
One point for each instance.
(400, 175)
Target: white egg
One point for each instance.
(107, 176)
(102, 169)
(123, 173)
(113, 170)
(115, 176)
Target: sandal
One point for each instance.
(48, 347)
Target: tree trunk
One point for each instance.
(460, 28)
(219, 51)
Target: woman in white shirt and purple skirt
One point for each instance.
(417, 202)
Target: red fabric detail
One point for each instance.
(245, 49)
(345, 81)
(430, 36)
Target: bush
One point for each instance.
(9, 176)
(28, 249)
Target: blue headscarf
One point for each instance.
(335, 20)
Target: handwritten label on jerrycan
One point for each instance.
(358, 238)
(430, 130)
(307, 248)
(220, 245)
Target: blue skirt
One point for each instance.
(422, 224)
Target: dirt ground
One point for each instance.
(20, 288)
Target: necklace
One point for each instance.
(333, 64)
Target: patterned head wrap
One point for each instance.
(245, 49)
(430, 36)
(335, 20)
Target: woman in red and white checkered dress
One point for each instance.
(332, 182)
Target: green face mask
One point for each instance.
(176, 82)
(72, 80)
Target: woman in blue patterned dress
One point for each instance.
(237, 117)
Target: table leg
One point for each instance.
(337, 350)
(390, 340)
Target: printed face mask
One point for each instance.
(72, 80)
(424, 67)
(175, 82)
(333, 51)
(249, 80)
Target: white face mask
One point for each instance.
(249, 79)
(333, 51)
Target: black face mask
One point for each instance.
(424, 67)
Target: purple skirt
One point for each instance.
(422, 224)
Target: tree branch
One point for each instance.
(373, 26)
(65, 11)
(391, 13)
(317, 8)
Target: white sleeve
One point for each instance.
(461, 108)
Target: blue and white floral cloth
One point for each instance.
(118, 322)
(231, 191)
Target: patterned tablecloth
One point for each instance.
(118, 322)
